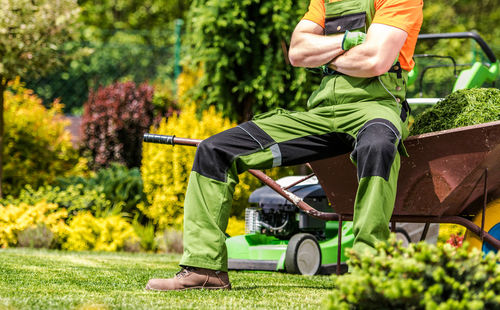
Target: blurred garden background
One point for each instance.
(82, 81)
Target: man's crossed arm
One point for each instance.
(310, 48)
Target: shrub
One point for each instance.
(38, 219)
(15, 219)
(117, 184)
(170, 241)
(164, 101)
(39, 236)
(449, 232)
(165, 169)
(74, 198)
(37, 147)
(421, 276)
(114, 121)
(235, 227)
(461, 108)
(147, 236)
(186, 83)
(86, 232)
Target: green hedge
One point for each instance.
(421, 276)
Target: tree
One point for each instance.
(131, 40)
(464, 15)
(241, 47)
(112, 15)
(32, 33)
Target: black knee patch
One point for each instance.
(376, 148)
(315, 147)
(216, 154)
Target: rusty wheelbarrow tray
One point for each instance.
(449, 177)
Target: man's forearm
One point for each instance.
(373, 57)
(360, 61)
(315, 50)
(310, 48)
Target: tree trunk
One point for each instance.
(245, 113)
(3, 87)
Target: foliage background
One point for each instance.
(454, 16)
(38, 149)
(126, 40)
(241, 47)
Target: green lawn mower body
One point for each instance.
(281, 237)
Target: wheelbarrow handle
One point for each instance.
(172, 140)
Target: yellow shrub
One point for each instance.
(185, 82)
(235, 227)
(37, 147)
(165, 169)
(16, 218)
(86, 232)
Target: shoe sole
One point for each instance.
(226, 287)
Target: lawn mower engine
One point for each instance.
(275, 216)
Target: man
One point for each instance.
(359, 107)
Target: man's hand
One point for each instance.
(310, 48)
(352, 39)
(375, 55)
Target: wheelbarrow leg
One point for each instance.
(393, 226)
(485, 201)
(339, 246)
(424, 232)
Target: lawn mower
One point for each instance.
(280, 236)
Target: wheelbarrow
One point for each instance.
(450, 177)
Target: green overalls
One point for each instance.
(364, 116)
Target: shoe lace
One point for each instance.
(184, 272)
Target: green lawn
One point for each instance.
(42, 279)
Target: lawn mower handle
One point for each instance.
(462, 35)
(172, 140)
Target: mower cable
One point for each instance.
(265, 225)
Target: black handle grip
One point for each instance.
(162, 139)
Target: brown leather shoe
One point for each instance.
(192, 278)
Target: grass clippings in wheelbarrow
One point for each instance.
(461, 108)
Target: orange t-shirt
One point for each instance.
(403, 14)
